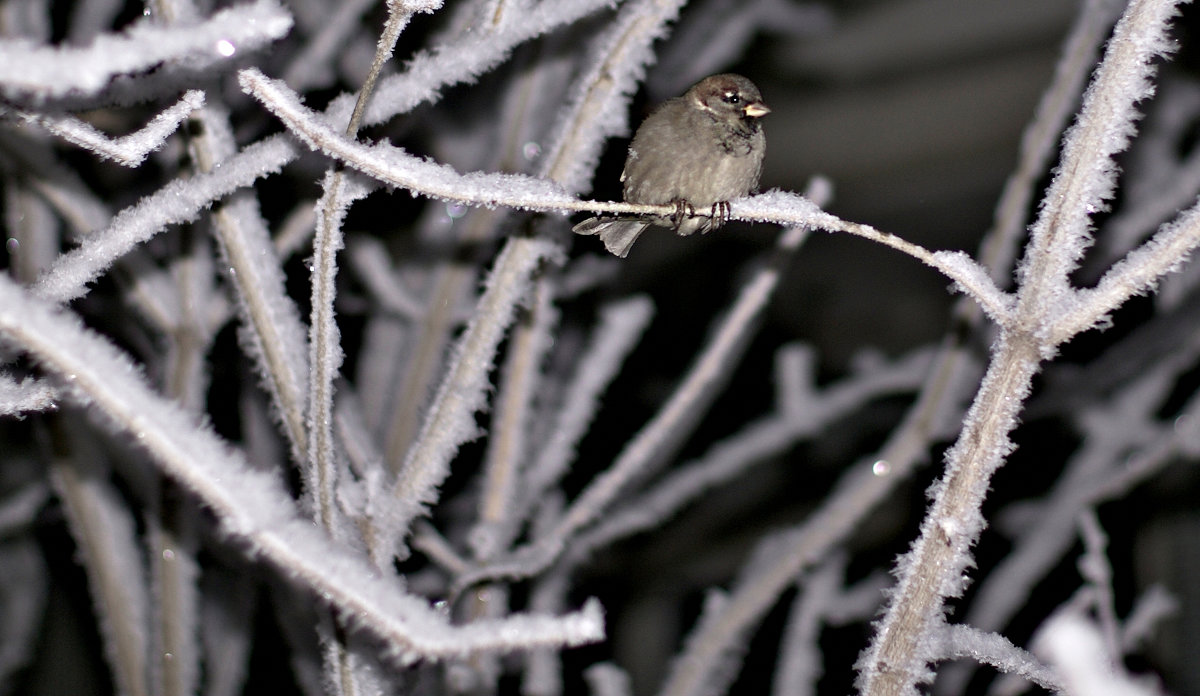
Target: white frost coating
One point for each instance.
(450, 420)
(792, 209)
(25, 396)
(27, 68)
(129, 150)
(324, 339)
(462, 59)
(1085, 180)
(252, 506)
(394, 166)
(973, 279)
(598, 104)
(994, 649)
(780, 206)
(1074, 646)
(1138, 272)
(182, 200)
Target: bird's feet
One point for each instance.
(683, 211)
(720, 214)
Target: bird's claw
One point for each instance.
(720, 214)
(683, 211)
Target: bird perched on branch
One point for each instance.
(695, 151)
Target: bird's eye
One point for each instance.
(732, 98)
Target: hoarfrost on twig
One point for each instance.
(179, 201)
(129, 150)
(41, 72)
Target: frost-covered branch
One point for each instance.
(395, 167)
(104, 530)
(463, 57)
(179, 201)
(129, 150)
(451, 419)
(1135, 274)
(1039, 142)
(933, 570)
(959, 640)
(29, 70)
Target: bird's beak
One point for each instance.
(755, 110)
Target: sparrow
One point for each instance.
(695, 151)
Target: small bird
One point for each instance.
(698, 150)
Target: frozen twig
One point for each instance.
(324, 343)
(325, 351)
(461, 59)
(1087, 178)
(1137, 273)
(1039, 142)
(104, 531)
(898, 658)
(344, 665)
(272, 333)
(1102, 468)
(179, 201)
(31, 70)
(393, 166)
(959, 640)
(451, 418)
(128, 150)
(399, 12)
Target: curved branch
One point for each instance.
(396, 167)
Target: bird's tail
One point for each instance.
(618, 234)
